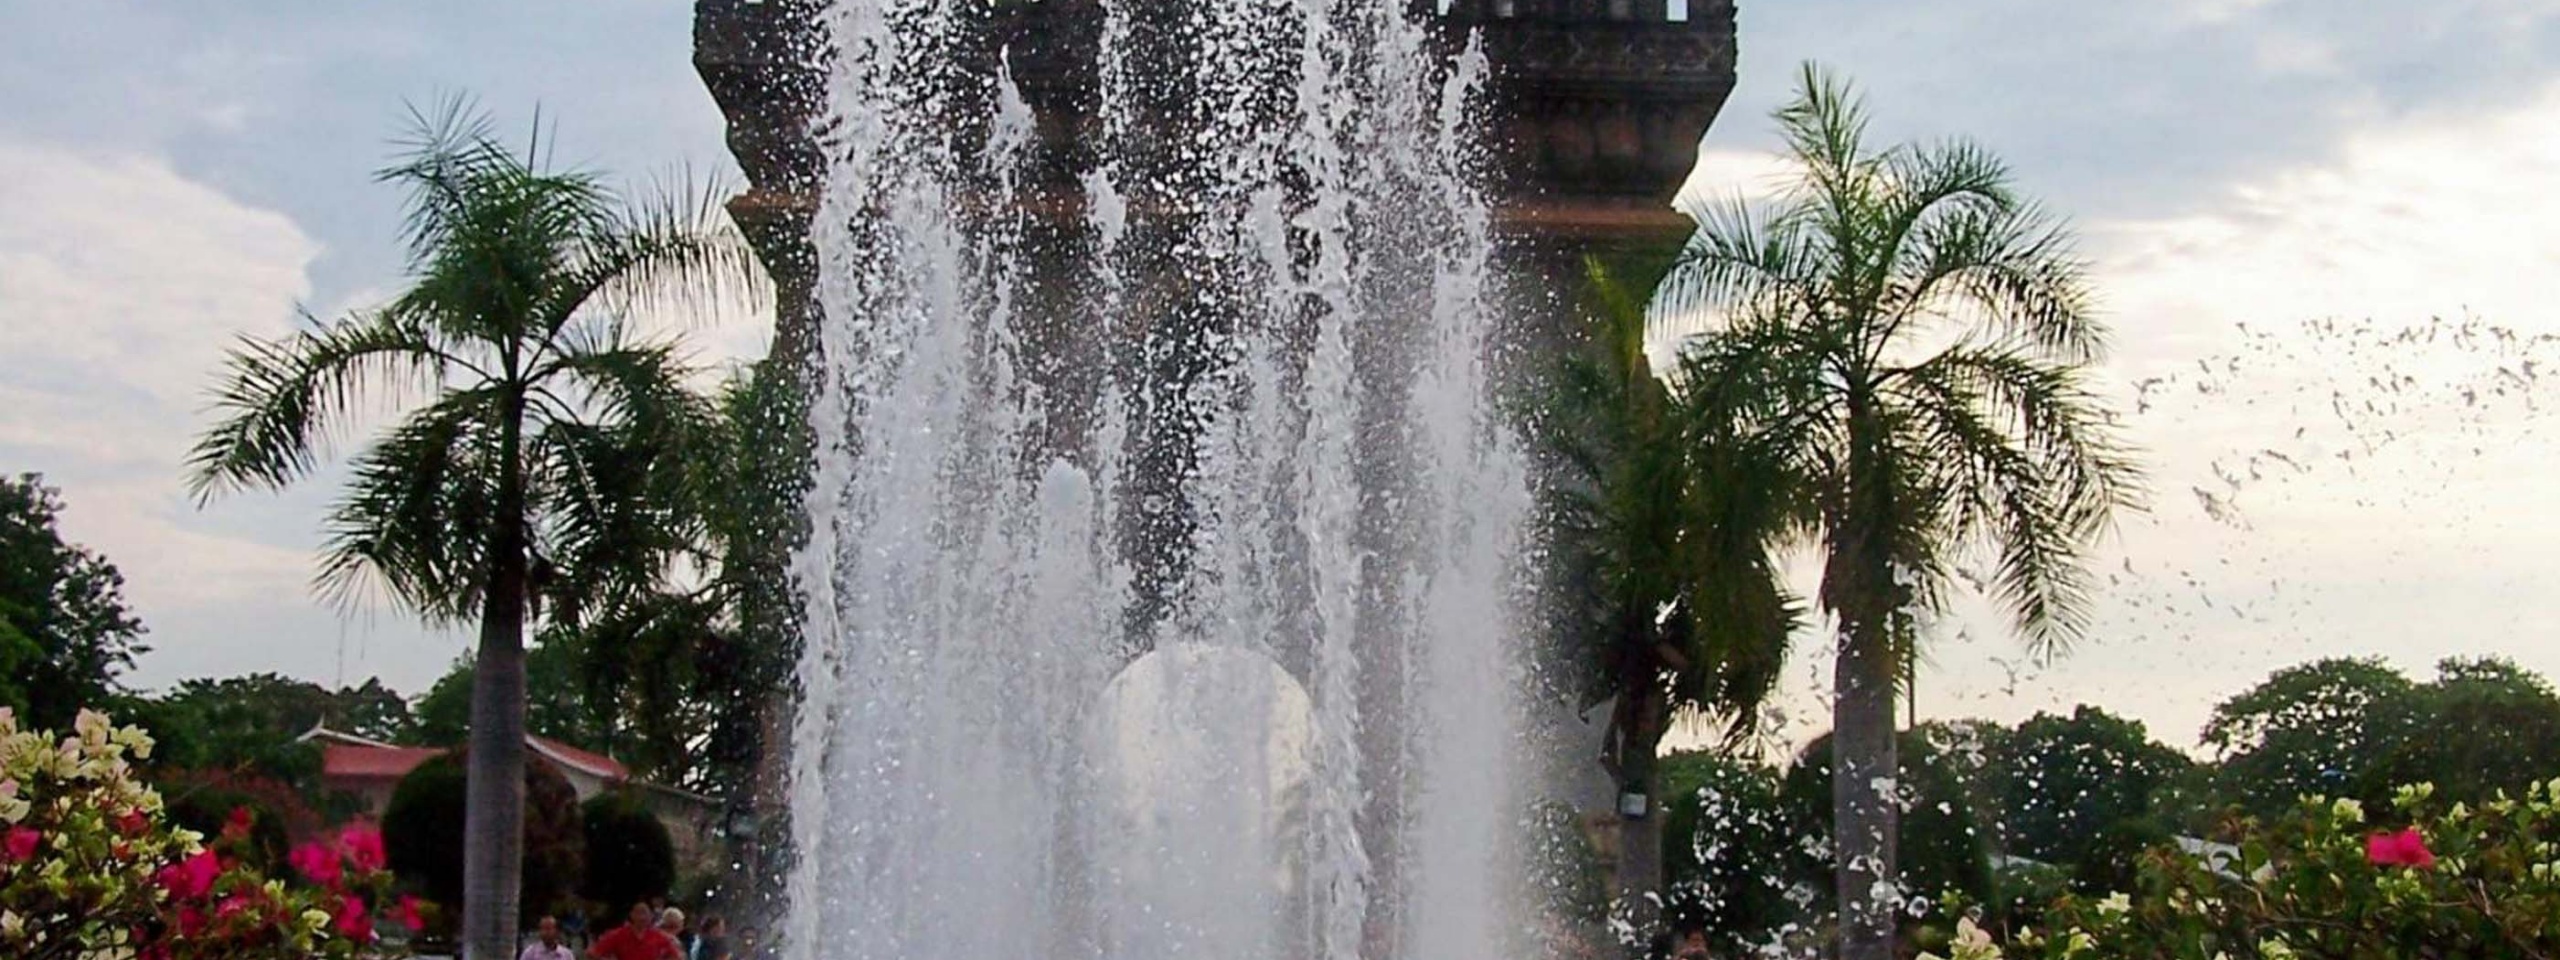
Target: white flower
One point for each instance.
(2116, 904)
(2348, 810)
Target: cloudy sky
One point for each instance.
(173, 175)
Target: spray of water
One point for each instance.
(1189, 638)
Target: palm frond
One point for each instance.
(279, 399)
(2030, 468)
(414, 517)
(675, 253)
(2008, 269)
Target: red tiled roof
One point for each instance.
(594, 764)
(368, 763)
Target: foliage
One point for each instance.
(1906, 339)
(630, 857)
(2311, 729)
(545, 443)
(206, 801)
(1726, 838)
(90, 867)
(555, 703)
(423, 828)
(2354, 728)
(253, 724)
(2508, 720)
(65, 633)
(2429, 878)
(2065, 782)
(1945, 850)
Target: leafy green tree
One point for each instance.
(1908, 337)
(65, 633)
(1662, 535)
(2487, 727)
(630, 856)
(424, 832)
(2064, 781)
(555, 703)
(1944, 840)
(1726, 838)
(254, 724)
(2318, 729)
(546, 441)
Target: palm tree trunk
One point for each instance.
(1640, 838)
(493, 826)
(1864, 817)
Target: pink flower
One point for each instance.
(190, 921)
(2407, 848)
(236, 904)
(407, 913)
(20, 844)
(354, 921)
(364, 848)
(318, 863)
(237, 828)
(132, 823)
(191, 878)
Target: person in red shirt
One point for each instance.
(637, 940)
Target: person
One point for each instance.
(547, 944)
(1691, 944)
(638, 939)
(671, 923)
(714, 942)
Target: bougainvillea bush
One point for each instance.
(90, 866)
(2420, 879)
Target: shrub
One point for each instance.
(423, 827)
(630, 857)
(2428, 879)
(91, 867)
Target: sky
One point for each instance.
(2270, 193)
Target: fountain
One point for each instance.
(1163, 524)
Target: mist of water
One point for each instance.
(1161, 610)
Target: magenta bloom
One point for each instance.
(364, 848)
(318, 863)
(21, 843)
(354, 921)
(191, 878)
(2407, 848)
(407, 913)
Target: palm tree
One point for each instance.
(1665, 532)
(1909, 338)
(540, 431)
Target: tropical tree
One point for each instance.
(1907, 337)
(1663, 537)
(2063, 782)
(544, 438)
(65, 633)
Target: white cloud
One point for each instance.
(122, 282)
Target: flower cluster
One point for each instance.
(2323, 881)
(89, 867)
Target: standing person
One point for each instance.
(638, 939)
(671, 923)
(547, 943)
(714, 942)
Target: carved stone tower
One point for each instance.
(1597, 107)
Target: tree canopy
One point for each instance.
(65, 632)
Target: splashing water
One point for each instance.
(1160, 562)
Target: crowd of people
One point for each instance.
(651, 931)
